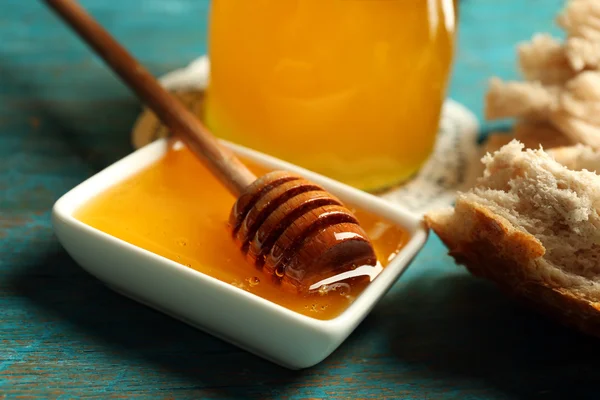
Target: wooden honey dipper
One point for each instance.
(284, 224)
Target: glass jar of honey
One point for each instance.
(351, 89)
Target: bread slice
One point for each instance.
(577, 157)
(532, 226)
(573, 109)
(531, 134)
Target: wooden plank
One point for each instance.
(439, 333)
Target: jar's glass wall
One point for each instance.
(351, 89)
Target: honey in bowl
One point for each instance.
(351, 89)
(175, 208)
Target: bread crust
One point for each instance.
(490, 247)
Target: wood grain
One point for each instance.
(300, 234)
(438, 334)
(223, 163)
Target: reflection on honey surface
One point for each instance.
(177, 209)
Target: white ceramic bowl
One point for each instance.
(266, 329)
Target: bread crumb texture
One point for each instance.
(558, 101)
(531, 225)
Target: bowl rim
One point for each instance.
(64, 208)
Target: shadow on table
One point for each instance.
(80, 110)
(435, 334)
(460, 330)
(87, 115)
(132, 331)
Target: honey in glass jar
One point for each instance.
(351, 89)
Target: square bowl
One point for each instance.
(244, 319)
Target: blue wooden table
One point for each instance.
(439, 333)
